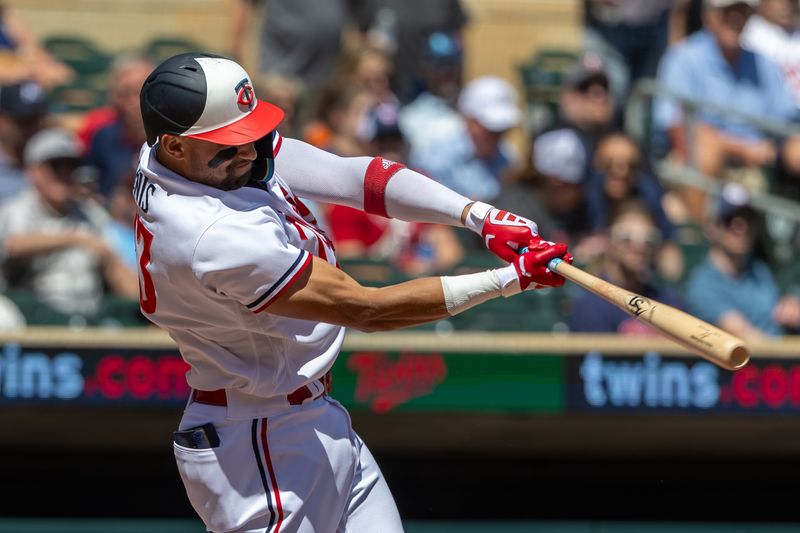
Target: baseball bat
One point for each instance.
(698, 336)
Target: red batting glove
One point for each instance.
(532, 265)
(503, 232)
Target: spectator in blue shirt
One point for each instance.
(628, 261)
(469, 153)
(711, 65)
(732, 288)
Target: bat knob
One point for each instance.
(551, 265)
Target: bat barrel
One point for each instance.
(697, 336)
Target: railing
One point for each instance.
(637, 121)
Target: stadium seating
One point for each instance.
(79, 96)
(84, 56)
(160, 48)
(542, 78)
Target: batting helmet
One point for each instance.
(207, 97)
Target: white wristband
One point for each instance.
(467, 291)
(476, 215)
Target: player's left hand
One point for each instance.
(503, 232)
(532, 265)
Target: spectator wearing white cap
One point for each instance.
(469, 153)
(551, 189)
(560, 160)
(50, 240)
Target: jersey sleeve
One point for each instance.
(246, 257)
(365, 183)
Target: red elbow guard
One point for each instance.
(378, 174)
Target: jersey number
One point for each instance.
(147, 291)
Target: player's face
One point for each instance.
(220, 166)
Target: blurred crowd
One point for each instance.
(387, 77)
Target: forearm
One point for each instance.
(122, 280)
(407, 304)
(326, 294)
(29, 244)
(428, 299)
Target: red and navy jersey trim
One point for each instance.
(270, 295)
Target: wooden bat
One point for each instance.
(719, 347)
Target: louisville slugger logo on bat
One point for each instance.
(638, 305)
(694, 334)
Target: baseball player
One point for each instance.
(234, 266)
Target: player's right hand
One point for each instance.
(532, 265)
(504, 232)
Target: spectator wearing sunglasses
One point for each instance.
(617, 175)
(629, 262)
(733, 288)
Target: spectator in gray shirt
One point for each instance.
(50, 239)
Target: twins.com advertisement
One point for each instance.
(380, 381)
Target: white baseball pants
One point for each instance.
(301, 470)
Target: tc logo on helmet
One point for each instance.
(244, 94)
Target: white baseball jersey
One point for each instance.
(211, 262)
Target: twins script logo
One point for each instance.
(384, 382)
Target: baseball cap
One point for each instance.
(23, 100)
(733, 199)
(442, 48)
(492, 101)
(560, 154)
(205, 96)
(589, 66)
(381, 122)
(720, 4)
(50, 144)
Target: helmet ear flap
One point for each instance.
(263, 166)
